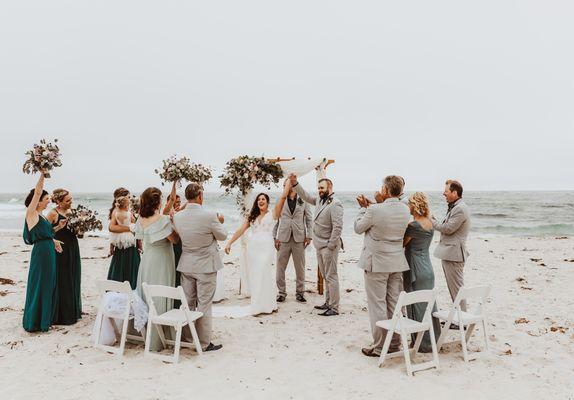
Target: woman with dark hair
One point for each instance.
(68, 262)
(125, 255)
(261, 251)
(41, 287)
(157, 265)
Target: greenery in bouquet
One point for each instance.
(176, 169)
(82, 220)
(43, 157)
(243, 172)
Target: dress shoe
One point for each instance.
(329, 313)
(300, 298)
(213, 347)
(322, 307)
(280, 298)
(369, 352)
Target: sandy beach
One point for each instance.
(295, 354)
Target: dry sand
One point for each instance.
(295, 353)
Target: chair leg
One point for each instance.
(98, 330)
(147, 338)
(177, 343)
(406, 353)
(463, 342)
(124, 335)
(385, 348)
(469, 331)
(195, 338)
(417, 344)
(434, 346)
(161, 335)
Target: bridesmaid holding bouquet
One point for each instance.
(68, 262)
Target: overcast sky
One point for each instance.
(480, 91)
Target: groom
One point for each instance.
(327, 228)
(199, 231)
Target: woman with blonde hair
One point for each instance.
(420, 276)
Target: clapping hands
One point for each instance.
(363, 201)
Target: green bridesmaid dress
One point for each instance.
(177, 249)
(41, 290)
(126, 258)
(157, 265)
(69, 277)
(420, 276)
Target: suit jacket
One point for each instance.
(298, 224)
(454, 231)
(199, 231)
(384, 225)
(327, 221)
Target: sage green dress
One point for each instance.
(41, 288)
(420, 276)
(69, 277)
(157, 265)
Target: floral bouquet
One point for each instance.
(43, 157)
(243, 172)
(176, 169)
(82, 220)
(135, 205)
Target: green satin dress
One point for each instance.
(69, 277)
(420, 276)
(41, 289)
(157, 265)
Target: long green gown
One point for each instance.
(125, 265)
(420, 276)
(157, 265)
(41, 288)
(69, 277)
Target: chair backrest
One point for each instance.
(477, 293)
(167, 292)
(418, 296)
(113, 286)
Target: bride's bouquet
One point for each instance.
(244, 172)
(176, 169)
(43, 157)
(82, 220)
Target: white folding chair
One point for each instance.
(405, 326)
(122, 288)
(466, 319)
(176, 318)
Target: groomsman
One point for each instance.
(327, 228)
(454, 230)
(292, 236)
(199, 231)
(383, 258)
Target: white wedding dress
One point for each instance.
(261, 261)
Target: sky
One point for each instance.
(481, 91)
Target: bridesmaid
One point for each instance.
(420, 276)
(68, 262)
(158, 262)
(125, 254)
(41, 287)
(172, 206)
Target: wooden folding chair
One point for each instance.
(176, 318)
(125, 289)
(465, 319)
(405, 326)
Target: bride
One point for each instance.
(261, 251)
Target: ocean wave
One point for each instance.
(490, 215)
(536, 230)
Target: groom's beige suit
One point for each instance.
(327, 229)
(383, 260)
(291, 231)
(199, 231)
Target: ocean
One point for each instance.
(493, 213)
